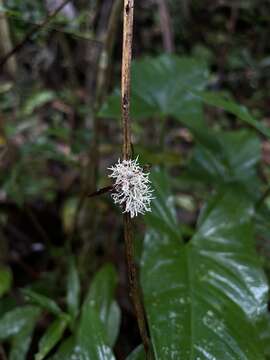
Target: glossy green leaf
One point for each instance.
(20, 342)
(101, 298)
(51, 337)
(159, 89)
(265, 335)
(43, 301)
(15, 320)
(5, 280)
(67, 351)
(113, 323)
(163, 216)
(99, 322)
(239, 154)
(92, 337)
(240, 111)
(73, 290)
(137, 354)
(204, 299)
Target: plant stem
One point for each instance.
(6, 42)
(125, 79)
(166, 26)
(127, 152)
(135, 292)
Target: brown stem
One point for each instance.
(127, 152)
(6, 43)
(135, 291)
(32, 32)
(125, 79)
(166, 26)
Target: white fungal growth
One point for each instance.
(132, 189)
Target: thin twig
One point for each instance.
(36, 28)
(166, 26)
(127, 151)
(126, 74)
(6, 42)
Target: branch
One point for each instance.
(37, 28)
(6, 43)
(166, 26)
(127, 151)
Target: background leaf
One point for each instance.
(99, 321)
(43, 301)
(67, 350)
(92, 337)
(73, 290)
(101, 298)
(239, 154)
(36, 100)
(5, 280)
(12, 322)
(240, 111)
(51, 337)
(137, 354)
(159, 89)
(17, 326)
(20, 343)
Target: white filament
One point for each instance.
(131, 187)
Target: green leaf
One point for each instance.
(92, 337)
(113, 323)
(163, 216)
(7, 304)
(5, 280)
(99, 324)
(20, 343)
(73, 290)
(15, 320)
(52, 336)
(89, 342)
(166, 86)
(43, 301)
(67, 351)
(265, 335)
(159, 89)
(204, 299)
(240, 111)
(137, 354)
(37, 100)
(101, 298)
(239, 154)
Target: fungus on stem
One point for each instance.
(127, 150)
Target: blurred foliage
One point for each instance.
(200, 121)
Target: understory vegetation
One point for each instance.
(200, 124)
